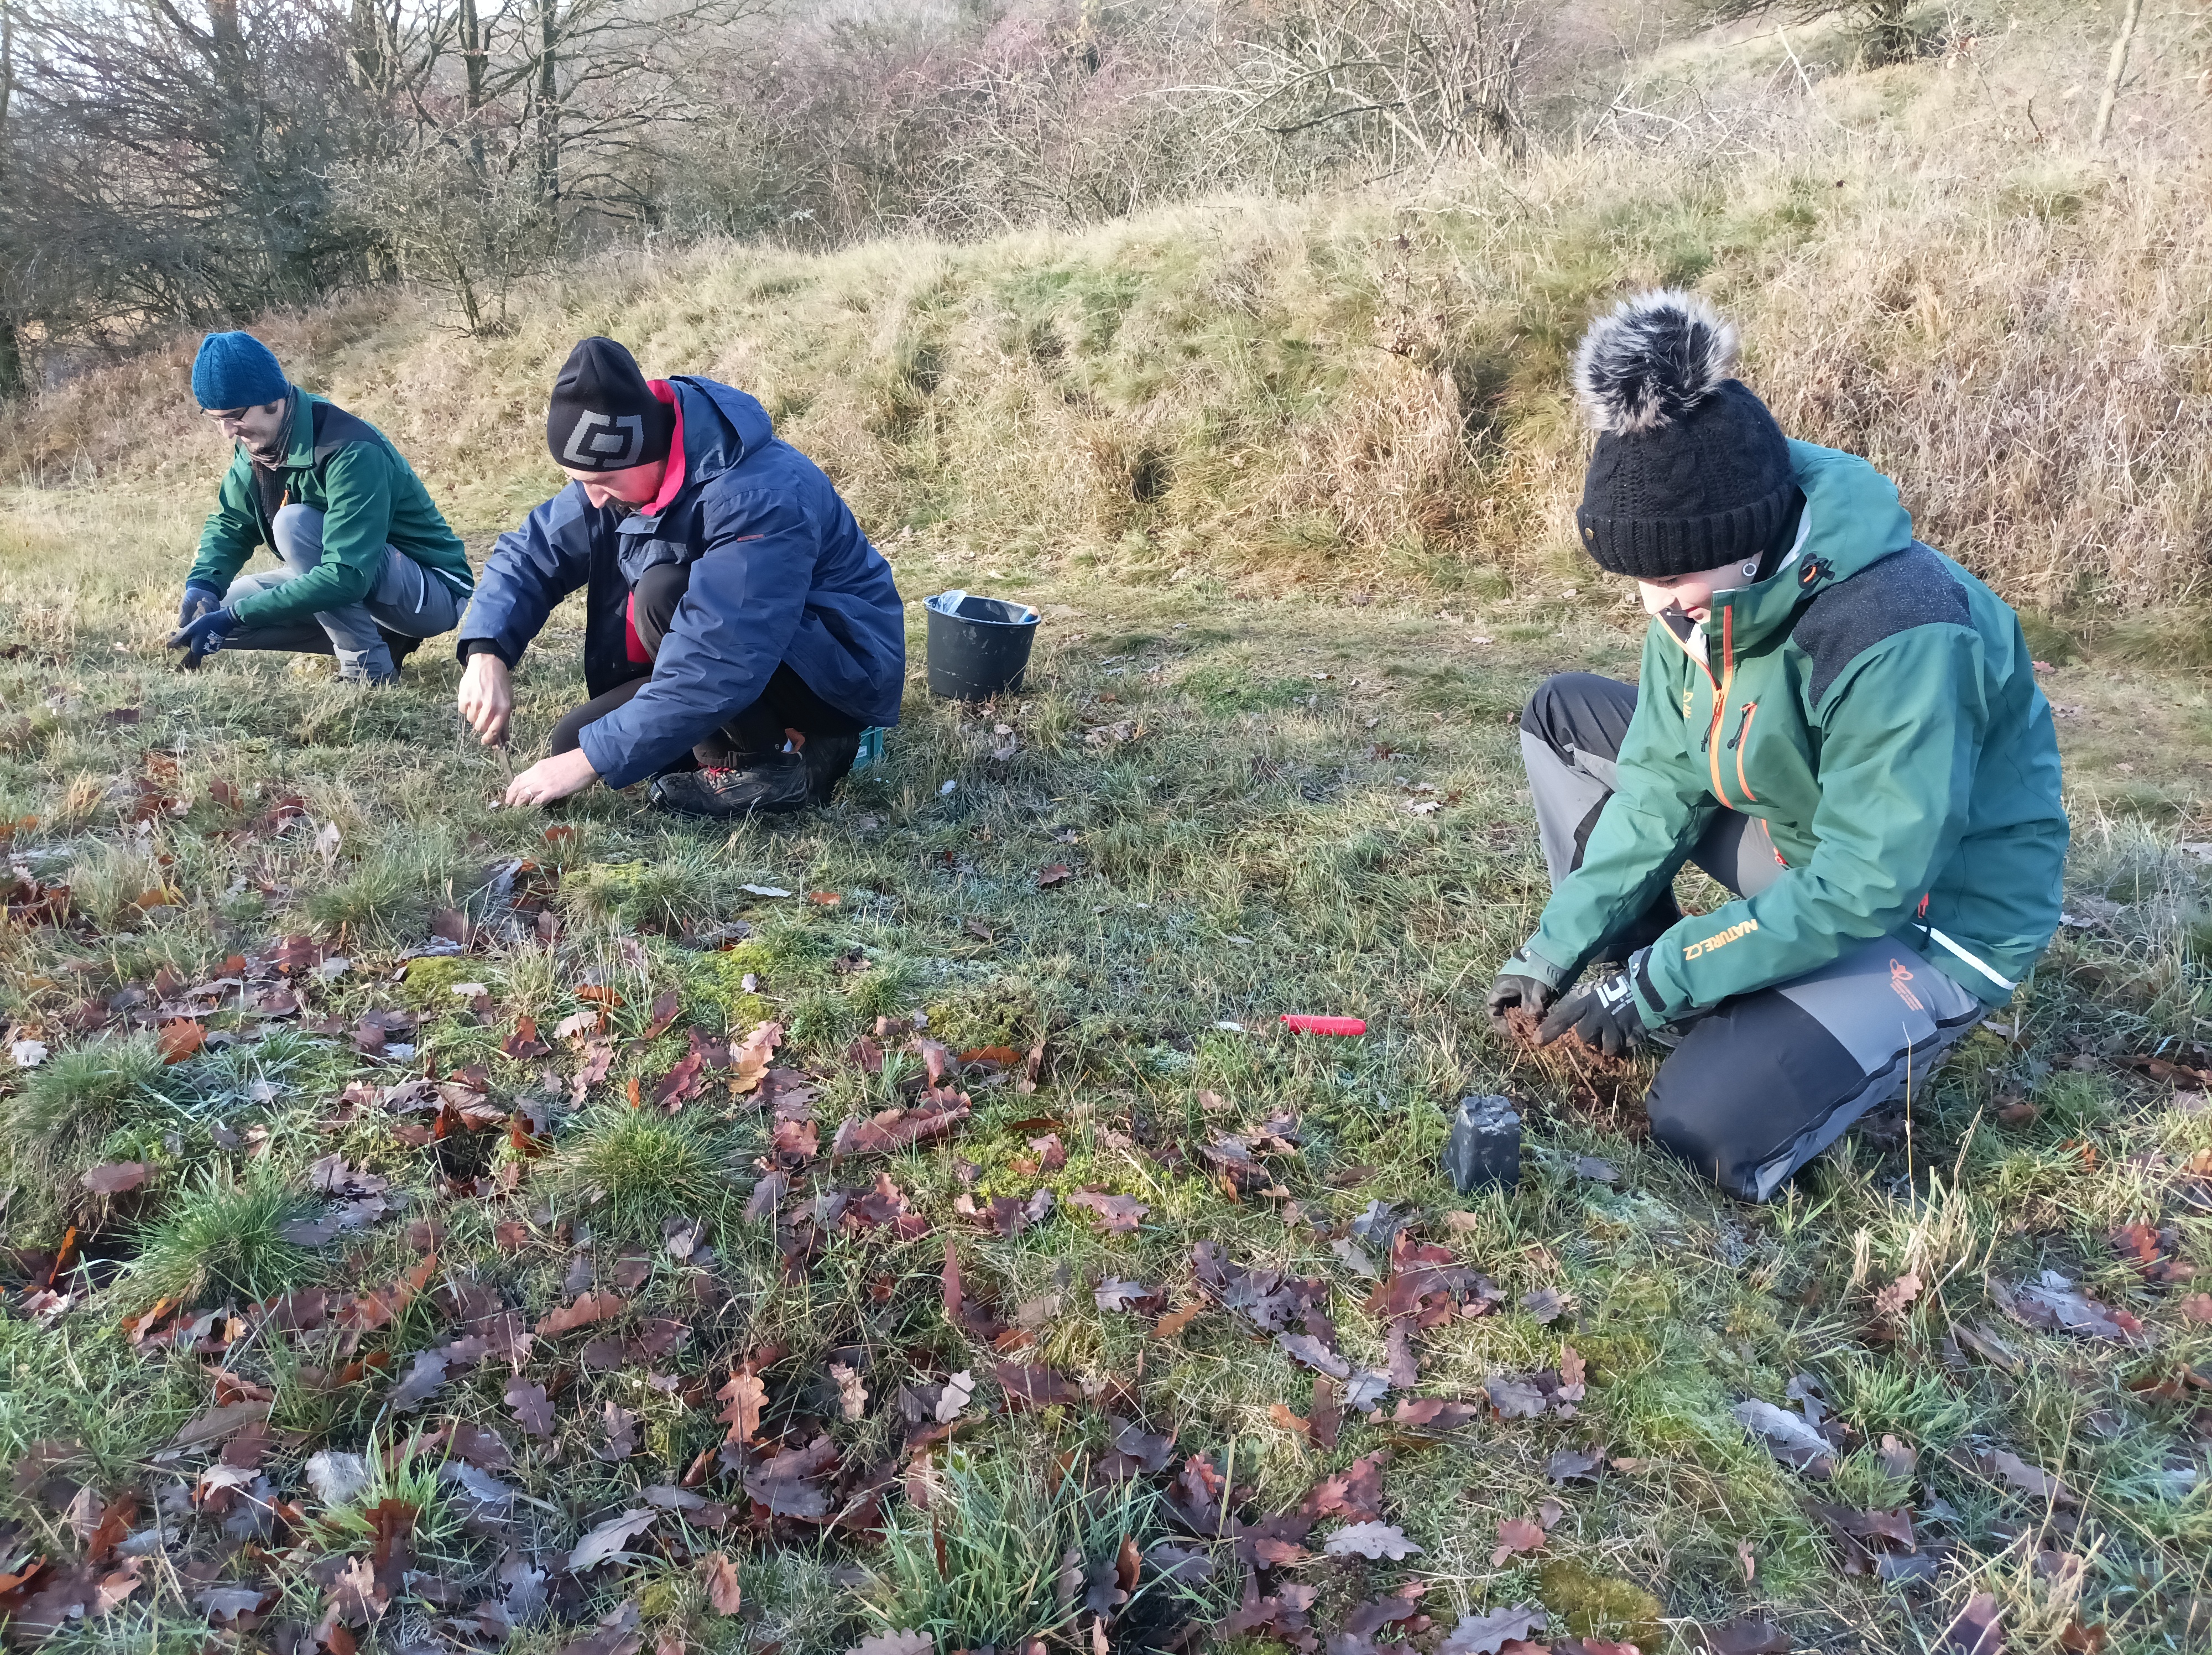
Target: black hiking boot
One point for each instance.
(767, 784)
(829, 761)
(401, 647)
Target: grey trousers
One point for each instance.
(406, 600)
(1760, 1084)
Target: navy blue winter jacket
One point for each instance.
(781, 574)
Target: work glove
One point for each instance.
(1512, 989)
(1602, 1013)
(198, 600)
(203, 638)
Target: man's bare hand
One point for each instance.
(487, 697)
(553, 778)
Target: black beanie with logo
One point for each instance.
(604, 417)
(1690, 470)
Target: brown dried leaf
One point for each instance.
(1894, 1300)
(720, 1576)
(117, 1176)
(588, 1308)
(1120, 1215)
(742, 1398)
(1516, 1535)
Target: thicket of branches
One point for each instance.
(166, 161)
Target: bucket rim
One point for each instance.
(1031, 616)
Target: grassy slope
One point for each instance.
(1246, 850)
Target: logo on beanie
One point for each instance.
(615, 448)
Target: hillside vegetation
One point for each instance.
(1365, 388)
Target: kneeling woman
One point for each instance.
(1838, 723)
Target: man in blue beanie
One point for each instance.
(367, 568)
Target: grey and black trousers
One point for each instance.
(1760, 1084)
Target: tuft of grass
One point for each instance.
(50, 1129)
(387, 894)
(982, 1563)
(888, 987)
(631, 1168)
(216, 1238)
(402, 1470)
(116, 882)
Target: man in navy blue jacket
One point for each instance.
(736, 618)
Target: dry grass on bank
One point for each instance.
(1370, 387)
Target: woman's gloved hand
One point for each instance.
(201, 637)
(1515, 988)
(1603, 1014)
(198, 600)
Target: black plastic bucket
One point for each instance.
(978, 647)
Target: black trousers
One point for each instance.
(1760, 1084)
(787, 706)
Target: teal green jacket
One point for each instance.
(369, 496)
(1875, 706)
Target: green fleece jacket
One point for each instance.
(369, 496)
(1875, 706)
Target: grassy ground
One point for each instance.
(1228, 782)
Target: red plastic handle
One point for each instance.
(1305, 1025)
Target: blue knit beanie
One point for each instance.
(236, 370)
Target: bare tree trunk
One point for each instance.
(475, 51)
(368, 56)
(11, 344)
(548, 116)
(2113, 72)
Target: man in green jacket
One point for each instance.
(1839, 724)
(367, 567)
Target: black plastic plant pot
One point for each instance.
(978, 647)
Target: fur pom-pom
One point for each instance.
(1656, 358)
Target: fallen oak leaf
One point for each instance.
(524, 1045)
(533, 1409)
(1175, 1323)
(1486, 1634)
(953, 1399)
(666, 1005)
(610, 1538)
(1120, 1215)
(1035, 1385)
(719, 1576)
(1977, 1629)
(1568, 1464)
(852, 1394)
(905, 1642)
(2028, 1479)
(179, 1039)
(117, 1176)
(1115, 1294)
(1515, 1535)
(589, 1307)
(742, 1397)
(1894, 1300)
(1306, 1349)
(1434, 1413)
(1376, 1540)
(1746, 1636)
